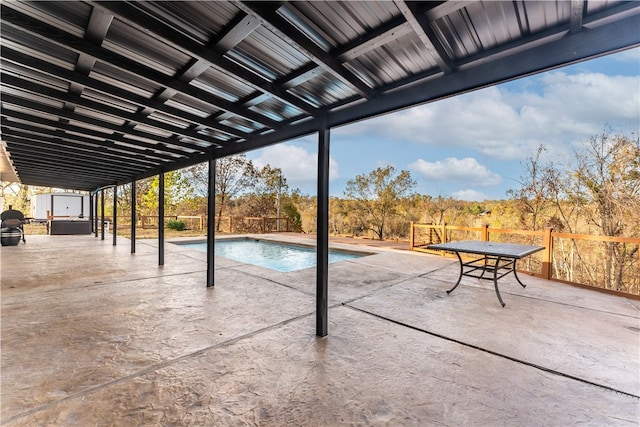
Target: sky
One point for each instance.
(473, 146)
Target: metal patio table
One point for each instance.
(495, 257)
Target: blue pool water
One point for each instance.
(276, 256)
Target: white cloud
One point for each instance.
(629, 55)
(509, 122)
(469, 195)
(590, 98)
(500, 126)
(298, 165)
(466, 170)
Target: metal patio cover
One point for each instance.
(96, 94)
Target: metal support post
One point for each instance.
(114, 224)
(102, 214)
(91, 219)
(133, 217)
(96, 216)
(547, 255)
(322, 246)
(161, 220)
(211, 222)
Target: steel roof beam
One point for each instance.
(376, 38)
(237, 30)
(420, 25)
(57, 162)
(268, 15)
(165, 32)
(577, 11)
(148, 150)
(65, 40)
(96, 30)
(60, 181)
(77, 78)
(587, 44)
(61, 178)
(373, 39)
(161, 146)
(10, 80)
(65, 172)
(98, 26)
(117, 152)
(563, 51)
(61, 150)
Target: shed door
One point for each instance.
(67, 205)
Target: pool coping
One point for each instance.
(289, 240)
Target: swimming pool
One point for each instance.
(275, 256)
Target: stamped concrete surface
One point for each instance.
(92, 335)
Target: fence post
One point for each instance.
(547, 254)
(230, 224)
(443, 233)
(412, 231)
(485, 232)
(264, 224)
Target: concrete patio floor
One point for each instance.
(92, 335)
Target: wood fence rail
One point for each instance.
(229, 224)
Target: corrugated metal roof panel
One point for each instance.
(22, 73)
(100, 115)
(199, 20)
(392, 62)
(109, 101)
(222, 84)
(27, 44)
(543, 15)
(124, 80)
(192, 106)
(72, 17)
(269, 55)
(148, 50)
(333, 24)
(173, 80)
(323, 90)
(276, 110)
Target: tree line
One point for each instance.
(597, 191)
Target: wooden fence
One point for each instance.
(228, 224)
(604, 262)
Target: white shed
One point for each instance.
(70, 205)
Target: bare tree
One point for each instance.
(234, 174)
(607, 174)
(534, 195)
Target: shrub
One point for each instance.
(176, 225)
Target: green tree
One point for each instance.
(177, 189)
(377, 196)
(17, 196)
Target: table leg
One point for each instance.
(484, 269)
(459, 278)
(516, 274)
(495, 280)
